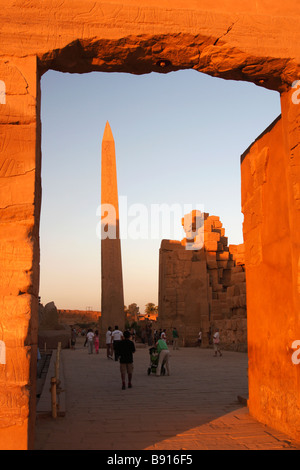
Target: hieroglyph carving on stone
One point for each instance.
(2, 353)
(2, 92)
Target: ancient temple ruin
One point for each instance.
(203, 287)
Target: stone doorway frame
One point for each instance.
(230, 44)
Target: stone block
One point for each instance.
(220, 273)
(224, 241)
(222, 264)
(211, 260)
(241, 313)
(224, 255)
(230, 291)
(213, 276)
(217, 224)
(184, 255)
(238, 277)
(222, 296)
(236, 290)
(207, 226)
(226, 277)
(242, 301)
(211, 236)
(242, 287)
(170, 245)
(211, 245)
(237, 269)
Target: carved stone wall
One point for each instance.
(273, 325)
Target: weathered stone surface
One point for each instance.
(48, 317)
(19, 248)
(218, 39)
(271, 245)
(49, 339)
(51, 331)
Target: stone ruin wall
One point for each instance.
(54, 325)
(51, 330)
(77, 317)
(204, 289)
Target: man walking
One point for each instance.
(126, 349)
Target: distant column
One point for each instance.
(112, 297)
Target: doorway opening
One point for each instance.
(178, 140)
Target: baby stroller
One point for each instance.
(154, 362)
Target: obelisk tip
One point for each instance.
(107, 132)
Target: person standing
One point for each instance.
(175, 338)
(163, 358)
(90, 341)
(216, 341)
(126, 349)
(199, 342)
(96, 341)
(132, 332)
(73, 337)
(117, 337)
(163, 335)
(108, 341)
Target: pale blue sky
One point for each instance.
(178, 140)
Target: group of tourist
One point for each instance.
(162, 334)
(121, 348)
(91, 340)
(215, 341)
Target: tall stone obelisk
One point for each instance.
(112, 297)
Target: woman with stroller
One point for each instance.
(163, 359)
